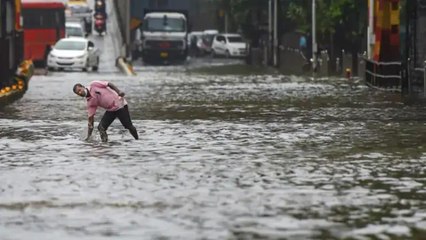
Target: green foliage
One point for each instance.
(331, 16)
(347, 15)
(239, 11)
(297, 13)
(329, 13)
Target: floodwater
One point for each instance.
(221, 155)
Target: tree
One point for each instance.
(244, 15)
(338, 21)
(341, 24)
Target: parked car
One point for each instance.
(73, 53)
(229, 45)
(74, 29)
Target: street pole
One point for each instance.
(226, 21)
(127, 25)
(370, 37)
(270, 43)
(314, 37)
(275, 32)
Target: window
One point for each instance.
(70, 45)
(43, 18)
(164, 24)
(235, 39)
(221, 38)
(10, 20)
(75, 31)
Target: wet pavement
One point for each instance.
(253, 155)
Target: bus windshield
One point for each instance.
(43, 18)
(164, 25)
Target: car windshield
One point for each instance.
(74, 31)
(235, 39)
(164, 24)
(70, 45)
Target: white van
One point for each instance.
(74, 29)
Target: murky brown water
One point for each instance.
(259, 156)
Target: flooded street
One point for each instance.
(255, 155)
(226, 151)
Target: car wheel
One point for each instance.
(227, 54)
(50, 69)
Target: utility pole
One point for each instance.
(370, 38)
(127, 27)
(270, 38)
(314, 37)
(226, 21)
(275, 32)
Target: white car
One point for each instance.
(73, 53)
(74, 29)
(229, 45)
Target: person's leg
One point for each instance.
(106, 120)
(124, 116)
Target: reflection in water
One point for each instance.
(220, 157)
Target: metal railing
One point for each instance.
(417, 80)
(383, 75)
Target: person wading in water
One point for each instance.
(105, 95)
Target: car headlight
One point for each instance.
(81, 57)
(51, 55)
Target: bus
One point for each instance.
(44, 25)
(11, 39)
(14, 71)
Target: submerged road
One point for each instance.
(220, 156)
(225, 152)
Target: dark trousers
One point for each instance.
(124, 117)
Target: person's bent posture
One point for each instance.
(105, 95)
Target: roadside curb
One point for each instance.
(125, 66)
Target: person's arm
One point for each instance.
(113, 87)
(90, 124)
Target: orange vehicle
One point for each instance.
(44, 25)
(10, 37)
(14, 72)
